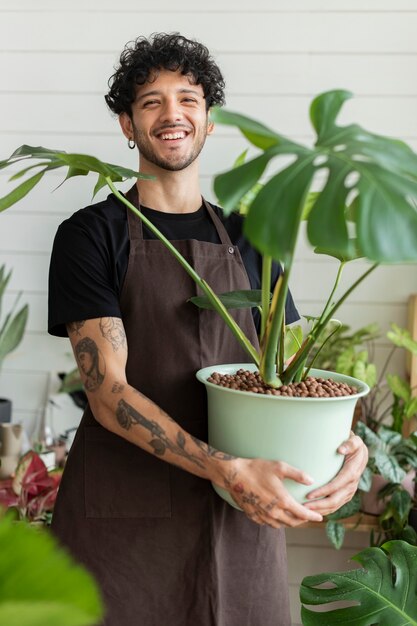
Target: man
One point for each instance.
(162, 545)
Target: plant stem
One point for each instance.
(266, 291)
(215, 301)
(308, 345)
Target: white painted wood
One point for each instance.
(288, 115)
(277, 6)
(292, 31)
(55, 59)
(279, 73)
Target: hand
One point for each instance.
(343, 487)
(257, 488)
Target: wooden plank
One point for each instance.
(283, 6)
(80, 116)
(220, 31)
(281, 73)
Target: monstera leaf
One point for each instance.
(46, 159)
(369, 180)
(384, 590)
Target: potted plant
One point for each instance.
(371, 181)
(386, 488)
(382, 592)
(11, 334)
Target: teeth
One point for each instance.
(173, 135)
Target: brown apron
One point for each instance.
(164, 548)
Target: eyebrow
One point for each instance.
(155, 92)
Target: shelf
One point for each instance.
(361, 522)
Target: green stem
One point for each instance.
(215, 301)
(276, 316)
(266, 291)
(295, 364)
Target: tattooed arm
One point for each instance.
(100, 349)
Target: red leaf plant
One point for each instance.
(32, 490)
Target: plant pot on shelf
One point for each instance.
(371, 504)
(304, 432)
(5, 410)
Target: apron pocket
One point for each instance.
(122, 480)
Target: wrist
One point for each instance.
(222, 469)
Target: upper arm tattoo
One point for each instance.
(112, 329)
(74, 327)
(91, 363)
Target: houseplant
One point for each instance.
(383, 592)
(11, 334)
(386, 487)
(371, 180)
(39, 583)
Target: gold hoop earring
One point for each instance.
(131, 144)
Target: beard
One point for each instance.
(174, 162)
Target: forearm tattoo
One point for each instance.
(91, 363)
(113, 331)
(74, 327)
(117, 387)
(127, 417)
(212, 452)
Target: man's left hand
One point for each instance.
(343, 487)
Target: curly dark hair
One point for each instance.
(170, 51)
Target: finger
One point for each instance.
(351, 445)
(338, 484)
(331, 504)
(289, 505)
(289, 520)
(285, 470)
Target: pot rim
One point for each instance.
(230, 368)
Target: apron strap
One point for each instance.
(135, 223)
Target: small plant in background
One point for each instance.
(13, 326)
(40, 583)
(30, 495)
(382, 416)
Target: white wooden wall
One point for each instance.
(55, 59)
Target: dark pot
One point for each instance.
(5, 410)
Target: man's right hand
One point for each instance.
(256, 485)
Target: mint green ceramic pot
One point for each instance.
(304, 432)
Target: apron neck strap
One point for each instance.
(135, 223)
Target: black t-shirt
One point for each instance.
(91, 251)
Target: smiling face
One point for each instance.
(169, 122)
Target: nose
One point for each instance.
(171, 111)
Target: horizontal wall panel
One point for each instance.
(55, 113)
(310, 6)
(38, 309)
(359, 314)
(364, 32)
(30, 271)
(278, 73)
(41, 352)
(26, 390)
(317, 537)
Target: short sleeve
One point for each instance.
(81, 281)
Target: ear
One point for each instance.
(210, 125)
(126, 125)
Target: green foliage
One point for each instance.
(77, 164)
(369, 181)
(383, 591)
(39, 584)
(13, 326)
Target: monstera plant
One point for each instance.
(381, 593)
(366, 207)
